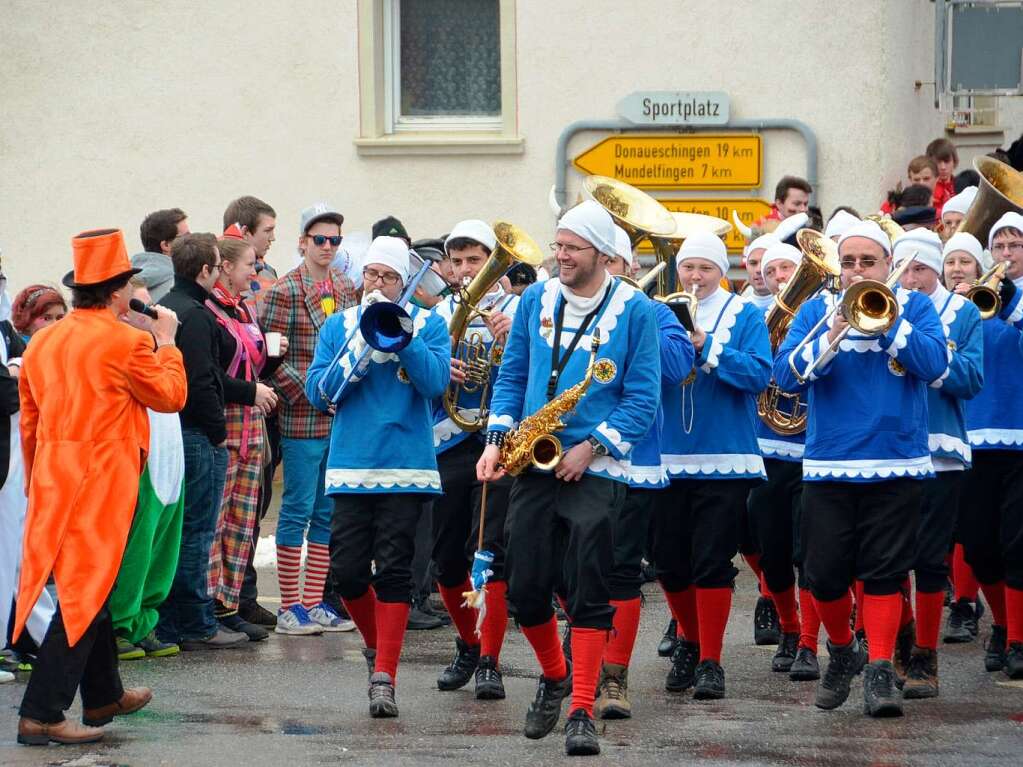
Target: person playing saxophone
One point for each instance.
(559, 520)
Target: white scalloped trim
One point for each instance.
(446, 429)
(652, 476)
(621, 293)
(721, 332)
(740, 464)
(374, 478)
(882, 468)
(614, 437)
(901, 338)
(947, 443)
(981, 437)
(501, 420)
(773, 447)
(612, 468)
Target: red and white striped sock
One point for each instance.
(317, 565)
(289, 565)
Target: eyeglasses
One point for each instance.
(319, 239)
(372, 275)
(1007, 247)
(216, 267)
(850, 263)
(569, 249)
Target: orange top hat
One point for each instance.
(100, 256)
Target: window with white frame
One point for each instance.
(442, 65)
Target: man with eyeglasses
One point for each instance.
(559, 526)
(866, 452)
(993, 539)
(297, 306)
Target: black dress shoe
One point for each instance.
(881, 694)
(682, 675)
(786, 654)
(994, 653)
(489, 683)
(235, 622)
(667, 644)
(805, 667)
(542, 714)
(460, 670)
(254, 612)
(710, 681)
(581, 735)
(766, 628)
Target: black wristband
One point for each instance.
(495, 438)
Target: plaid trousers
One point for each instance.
(239, 508)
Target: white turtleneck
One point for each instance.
(577, 307)
(938, 296)
(761, 302)
(708, 309)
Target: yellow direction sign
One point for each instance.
(748, 208)
(697, 161)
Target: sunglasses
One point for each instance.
(320, 239)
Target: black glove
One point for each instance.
(1007, 291)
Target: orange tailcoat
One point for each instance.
(85, 385)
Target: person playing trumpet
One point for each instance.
(866, 452)
(456, 513)
(559, 522)
(381, 466)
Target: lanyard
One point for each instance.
(558, 365)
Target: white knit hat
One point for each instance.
(704, 245)
(925, 243)
(967, 243)
(623, 245)
(839, 223)
(389, 251)
(1010, 220)
(871, 231)
(593, 223)
(473, 229)
(781, 251)
(763, 242)
(961, 202)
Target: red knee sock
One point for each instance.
(928, 618)
(683, 609)
(289, 566)
(464, 617)
(546, 643)
(317, 565)
(495, 622)
(364, 612)
(963, 579)
(392, 618)
(712, 606)
(587, 651)
(753, 560)
(835, 617)
(809, 621)
(623, 638)
(881, 614)
(994, 593)
(858, 593)
(1014, 614)
(906, 616)
(788, 614)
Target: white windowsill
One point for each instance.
(439, 144)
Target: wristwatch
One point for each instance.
(597, 448)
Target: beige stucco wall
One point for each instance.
(113, 109)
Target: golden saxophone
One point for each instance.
(533, 442)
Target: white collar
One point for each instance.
(1018, 282)
(580, 304)
(709, 307)
(939, 296)
(761, 302)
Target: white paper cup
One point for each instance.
(273, 344)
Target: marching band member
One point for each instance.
(950, 454)
(632, 522)
(381, 466)
(955, 211)
(866, 449)
(993, 539)
(559, 527)
(712, 458)
(840, 221)
(456, 512)
(775, 511)
(756, 291)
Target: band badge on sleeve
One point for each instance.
(896, 368)
(952, 346)
(403, 376)
(605, 370)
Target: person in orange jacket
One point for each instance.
(85, 386)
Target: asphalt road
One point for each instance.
(295, 701)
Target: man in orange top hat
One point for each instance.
(85, 386)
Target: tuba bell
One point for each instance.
(1001, 191)
(513, 246)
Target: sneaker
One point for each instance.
(489, 683)
(845, 663)
(581, 735)
(805, 667)
(542, 714)
(326, 616)
(127, 651)
(710, 681)
(766, 629)
(921, 675)
(381, 696)
(994, 653)
(613, 693)
(460, 670)
(904, 643)
(881, 694)
(956, 629)
(254, 612)
(154, 648)
(234, 622)
(370, 654)
(295, 621)
(1014, 661)
(786, 654)
(221, 639)
(683, 667)
(667, 644)
(421, 621)
(6, 676)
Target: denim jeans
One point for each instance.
(305, 504)
(188, 611)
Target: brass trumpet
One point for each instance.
(984, 293)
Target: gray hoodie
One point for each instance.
(157, 272)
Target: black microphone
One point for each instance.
(142, 308)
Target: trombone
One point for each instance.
(870, 308)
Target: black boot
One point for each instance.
(786, 655)
(881, 695)
(904, 643)
(922, 675)
(710, 681)
(956, 629)
(1014, 661)
(845, 663)
(542, 714)
(667, 644)
(381, 696)
(581, 735)
(994, 653)
(683, 667)
(805, 667)
(766, 628)
(489, 683)
(418, 620)
(460, 670)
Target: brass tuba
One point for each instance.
(513, 246)
(887, 224)
(1001, 191)
(819, 270)
(984, 293)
